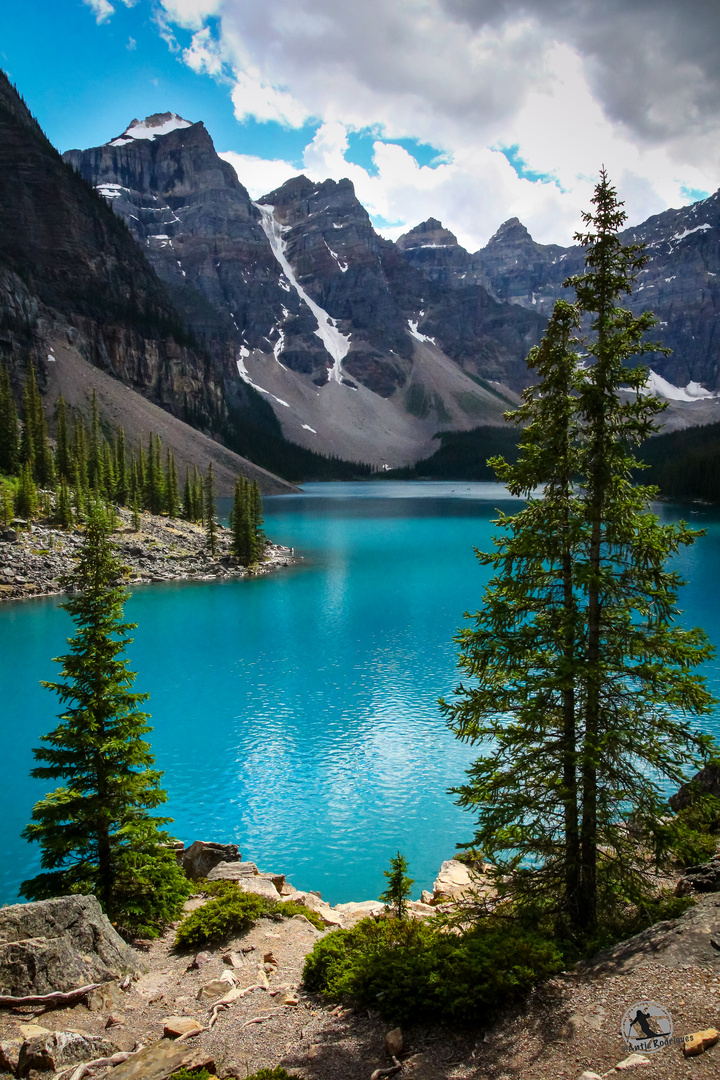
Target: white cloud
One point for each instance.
(572, 87)
(104, 9)
(260, 175)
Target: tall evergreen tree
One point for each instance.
(583, 689)
(121, 468)
(97, 832)
(172, 495)
(209, 508)
(26, 497)
(63, 454)
(95, 463)
(9, 434)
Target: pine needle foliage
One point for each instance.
(96, 831)
(397, 893)
(583, 694)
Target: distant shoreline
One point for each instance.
(32, 559)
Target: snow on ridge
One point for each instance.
(688, 232)
(150, 128)
(335, 342)
(341, 262)
(662, 388)
(245, 374)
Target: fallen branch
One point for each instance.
(257, 1020)
(225, 1002)
(379, 1074)
(56, 998)
(190, 1034)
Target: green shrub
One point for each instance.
(278, 1073)
(418, 971)
(229, 913)
(697, 831)
(290, 908)
(232, 911)
(188, 1074)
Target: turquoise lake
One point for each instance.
(296, 714)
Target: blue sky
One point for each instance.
(468, 111)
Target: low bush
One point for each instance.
(232, 911)
(697, 831)
(421, 971)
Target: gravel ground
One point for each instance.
(33, 558)
(569, 1024)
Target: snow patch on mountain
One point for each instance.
(150, 128)
(416, 333)
(689, 232)
(662, 388)
(335, 342)
(245, 374)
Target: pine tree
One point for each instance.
(95, 464)
(172, 496)
(582, 687)
(198, 497)
(121, 469)
(257, 519)
(63, 506)
(399, 885)
(63, 455)
(26, 497)
(210, 522)
(9, 436)
(241, 525)
(96, 832)
(187, 500)
(80, 455)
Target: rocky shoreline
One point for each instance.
(34, 556)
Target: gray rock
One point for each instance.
(700, 879)
(674, 943)
(60, 1049)
(202, 856)
(707, 781)
(10, 1055)
(232, 871)
(59, 945)
(161, 1059)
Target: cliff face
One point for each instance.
(680, 283)
(69, 266)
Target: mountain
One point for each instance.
(74, 284)
(357, 352)
(680, 283)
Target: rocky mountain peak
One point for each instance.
(511, 231)
(150, 128)
(428, 233)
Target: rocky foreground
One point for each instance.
(149, 1011)
(34, 556)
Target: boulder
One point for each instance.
(394, 1042)
(161, 1059)
(10, 1055)
(50, 1053)
(202, 856)
(59, 945)
(631, 1062)
(328, 915)
(259, 886)
(706, 781)
(232, 871)
(173, 1026)
(704, 878)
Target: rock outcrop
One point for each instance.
(704, 878)
(59, 945)
(705, 782)
(202, 856)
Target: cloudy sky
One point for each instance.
(471, 111)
